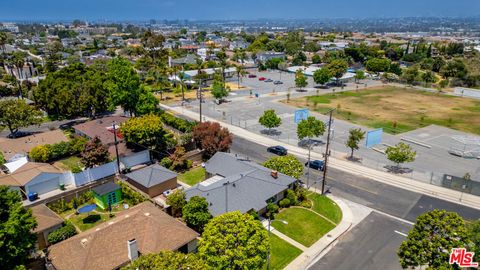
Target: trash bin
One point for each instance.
(32, 196)
(62, 186)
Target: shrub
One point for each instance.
(272, 208)
(292, 197)
(306, 204)
(60, 206)
(254, 214)
(301, 194)
(130, 196)
(49, 152)
(188, 164)
(284, 203)
(166, 162)
(40, 153)
(62, 233)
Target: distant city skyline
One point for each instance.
(115, 10)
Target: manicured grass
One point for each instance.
(326, 207)
(281, 253)
(304, 226)
(398, 110)
(94, 218)
(70, 163)
(192, 177)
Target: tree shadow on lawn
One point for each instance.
(91, 219)
(397, 169)
(271, 132)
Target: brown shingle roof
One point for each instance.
(25, 144)
(99, 128)
(105, 246)
(26, 173)
(45, 217)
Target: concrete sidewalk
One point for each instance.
(324, 244)
(283, 236)
(380, 176)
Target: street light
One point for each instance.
(269, 233)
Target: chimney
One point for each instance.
(132, 249)
(274, 174)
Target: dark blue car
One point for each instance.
(315, 164)
(278, 150)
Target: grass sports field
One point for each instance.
(398, 110)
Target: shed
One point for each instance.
(109, 193)
(153, 179)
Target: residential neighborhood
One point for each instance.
(214, 136)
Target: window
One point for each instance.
(112, 198)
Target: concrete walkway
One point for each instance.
(283, 236)
(380, 176)
(324, 244)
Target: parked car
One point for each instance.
(19, 134)
(315, 164)
(277, 82)
(268, 80)
(277, 150)
(252, 76)
(262, 79)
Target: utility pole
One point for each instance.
(308, 162)
(226, 196)
(327, 150)
(200, 94)
(116, 144)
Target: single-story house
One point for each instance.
(22, 146)
(236, 184)
(37, 178)
(153, 179)
(140, 230)
(107, 194)
(103, 128)
(210, 72)
(265, 56)
(47, 222)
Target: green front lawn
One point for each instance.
(325, 207)
(193, 176)
(281, 253)
(304, 226)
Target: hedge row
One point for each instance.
(62, 233)
(50, 152)
(180, 124)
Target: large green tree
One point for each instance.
(338, 68)
(300, 79)
(16, 226)
(234, 241)
(310, 128)
(147, 131)
(431, 239)
(16, 113)
(288, 165)
(354, 137)
(322, 76)
(177, 201)
(124, 88)
(75, 90)
(378, 65)
(400, 153)
(270, 119)
(219, 90)
(167, 260)
(195, 213)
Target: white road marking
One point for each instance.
(401, 233)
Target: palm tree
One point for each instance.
(240, 73)
(3, 41)
(181, 77)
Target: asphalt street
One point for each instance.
(373, 243)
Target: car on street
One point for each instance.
(268, 80)
(252, 76)
(277, 150)
(277, 82)
(262, 79)
(19, 134)
(315, 164)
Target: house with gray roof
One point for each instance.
(236, 184)
(153, 179)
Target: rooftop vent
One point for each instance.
(147, 214)
(274, 174)
(84, 242)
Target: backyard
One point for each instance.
(193, 176)
(398, 110)
(72, 163)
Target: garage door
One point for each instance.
(44, 187)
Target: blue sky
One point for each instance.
(227, 9)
